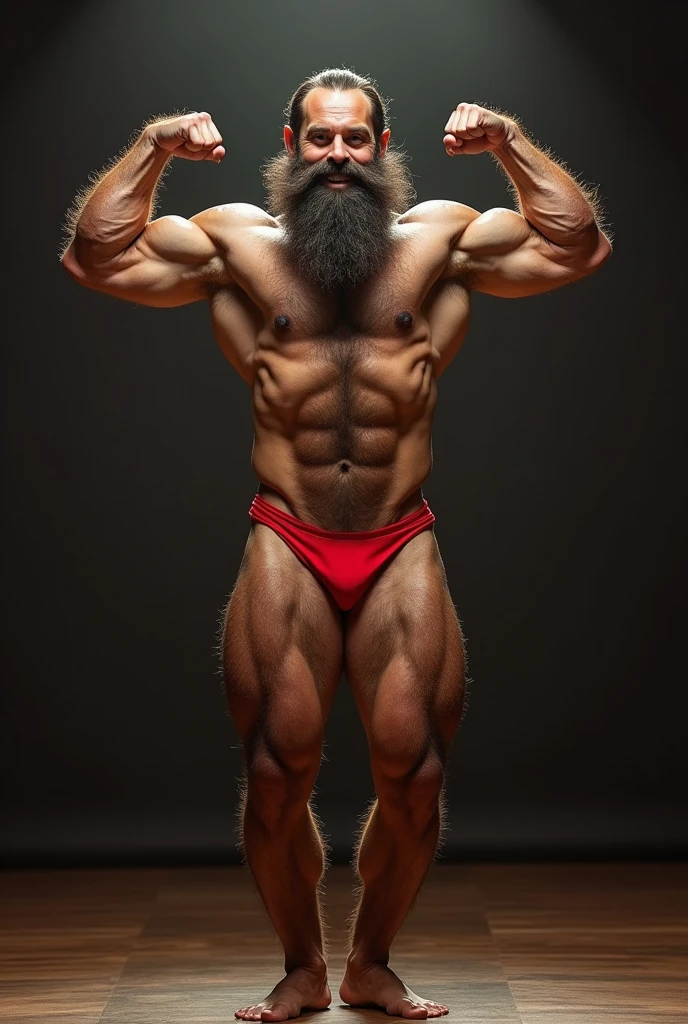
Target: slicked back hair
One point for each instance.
(340, 79)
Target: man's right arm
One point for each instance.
(116, 248)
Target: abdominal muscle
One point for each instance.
(344, 443)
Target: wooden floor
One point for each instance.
(514, 944)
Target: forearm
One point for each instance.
(550, 199)
(107, 218)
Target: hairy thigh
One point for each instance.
(404, 658)
(282, 651)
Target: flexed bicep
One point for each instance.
(171, 263)
(509, 258)
(113, 244)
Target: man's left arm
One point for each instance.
(555, 237)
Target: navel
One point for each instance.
(282, 323)
(404, 319)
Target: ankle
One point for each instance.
(360, 958)
(314, 964)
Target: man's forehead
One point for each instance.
(338, 106)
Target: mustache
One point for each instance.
(289, 181)
(305, 176)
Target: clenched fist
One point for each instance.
(473, 129)
(191, 136)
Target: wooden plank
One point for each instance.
(65, 937)
(593, 943)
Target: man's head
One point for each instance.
(334, 99)
(337, 185)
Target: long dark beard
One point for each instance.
(338, 238)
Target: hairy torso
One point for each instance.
(344, 386)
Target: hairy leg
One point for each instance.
(282, 649)
(405, 661)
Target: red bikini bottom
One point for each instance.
(345, 562)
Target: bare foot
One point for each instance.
(301, 989)
(378, 986)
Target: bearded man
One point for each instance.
(340, 308)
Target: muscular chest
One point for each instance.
(304, 345)
(287, 302)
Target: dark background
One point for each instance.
(559, 440)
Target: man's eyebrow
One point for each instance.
(357, 129)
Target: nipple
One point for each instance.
(404, 319)
(282, 323)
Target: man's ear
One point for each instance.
(289, 140)
(383, 141)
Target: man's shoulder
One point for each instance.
(441, 212)
(229, 217)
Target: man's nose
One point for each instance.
(338, 151)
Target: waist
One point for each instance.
(264, 511)
(337, 513)
(343, 495)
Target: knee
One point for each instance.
(280, 774)
(410, 793)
